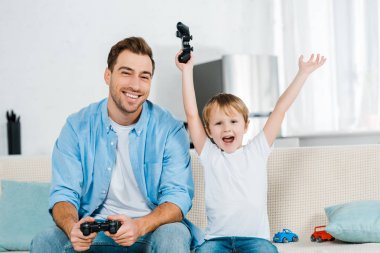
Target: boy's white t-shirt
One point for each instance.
(236, 189)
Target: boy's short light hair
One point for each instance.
(225, 102)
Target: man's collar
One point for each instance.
(143, 119)
(140, 124)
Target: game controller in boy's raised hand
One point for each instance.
(184, 33)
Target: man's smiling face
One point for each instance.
(129, 84)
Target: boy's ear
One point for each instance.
(207, 131)
(107, 76)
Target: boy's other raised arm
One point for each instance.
(273, 124)
(195, 126)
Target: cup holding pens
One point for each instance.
(14, 137)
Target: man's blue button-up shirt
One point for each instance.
(84, 156)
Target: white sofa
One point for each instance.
(301, 181)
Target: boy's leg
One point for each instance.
(254, 245)
(168, 237)
(219, 245)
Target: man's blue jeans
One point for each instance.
(237, 244)
(165, 239)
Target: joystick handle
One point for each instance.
(114, 226)
(85, 228)
(184, 57)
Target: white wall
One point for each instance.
(53, 53)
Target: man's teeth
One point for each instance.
(131, 96)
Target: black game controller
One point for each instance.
(184, 33)
(109, 225)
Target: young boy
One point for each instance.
(235, 175)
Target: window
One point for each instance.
(342, 96)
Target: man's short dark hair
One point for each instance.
(136, 45)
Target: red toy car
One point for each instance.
(321, 235)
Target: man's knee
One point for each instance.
(171, 236)
(50, 240)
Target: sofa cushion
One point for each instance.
(357, 221)
(23, 213)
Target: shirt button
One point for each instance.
(104, 192)
(111, 143)
(109, 168)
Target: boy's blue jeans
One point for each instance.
(164, 239)
(237, 244)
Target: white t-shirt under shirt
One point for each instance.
(124, 196)
(236, 189)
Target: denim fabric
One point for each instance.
(237, 244)
(162, 240)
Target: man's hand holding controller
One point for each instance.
(130, 230)
(79, 241)
(122, 229)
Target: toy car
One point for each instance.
(285, 236)
(321, 235)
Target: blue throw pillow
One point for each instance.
(23, 213)
(357, 221)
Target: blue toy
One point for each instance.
(285, 236)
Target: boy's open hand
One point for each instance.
(310, 65)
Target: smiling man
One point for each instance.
(123, 159)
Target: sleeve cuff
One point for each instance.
(184, 205)
(61, 198)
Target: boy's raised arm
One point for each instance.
(197, 132)
(273, 124)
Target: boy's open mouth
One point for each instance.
(228, 139)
